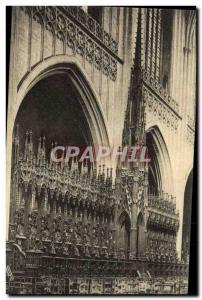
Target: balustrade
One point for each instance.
(160, 91)
(163, 202)
(81, 34)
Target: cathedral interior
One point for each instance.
(100, 76)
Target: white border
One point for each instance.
(3, 5)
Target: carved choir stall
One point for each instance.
(75, 219)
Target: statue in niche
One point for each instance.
(32, 238)
(66, 233)
(110, 239)
(54, 226)
(113, 249)
(66, 249)
(20, 229)
(33, 232)
(86, 235)
(58, 237)
(76, 251)
(12, 233)
(102, 237)
(132, 255)
(78, 231)
(71, 232)
(121, 253)
(52, 250)
(106, 253)
(45, 235)
(128, 199)
(20, 222)
(95, 252)
(86, 251)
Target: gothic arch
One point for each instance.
(123, 216)
(90, 100)
(160, 165)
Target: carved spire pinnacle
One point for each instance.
(133, 125)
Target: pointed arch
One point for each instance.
(161, 175)
(124, 216)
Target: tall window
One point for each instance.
(153, 40)
(158, 41)
(167, 16)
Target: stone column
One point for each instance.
(146, 186)
(133, 232)
(54, 207)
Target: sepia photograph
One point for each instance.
(100, 149)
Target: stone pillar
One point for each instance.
(33, 199)
(133, 232)
(114, 229)
(54, 207)
(76, 213)
(65, 209)
(85, 215)
(133, 241)
(180, 207)
(17, 195)
(146, 187)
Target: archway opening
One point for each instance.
(154, 174)
(160, 171)
(186, 227)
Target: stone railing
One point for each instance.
(160, 103)
(160, 92)
(93, 27)
(80, 33)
